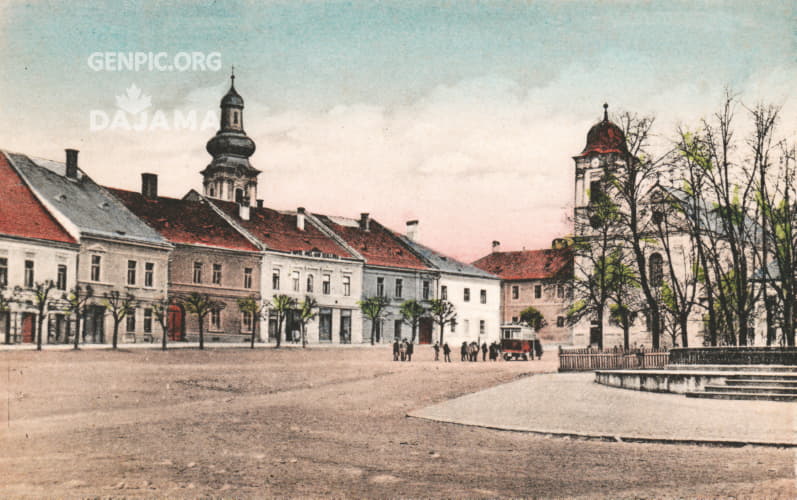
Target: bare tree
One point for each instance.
(374, 308)
(161, 311)
(411, 312)
(282, 304)
(254, 308)
(120, 306)
(200, 305)
(41, 301)
(443, 313)
(77, 300)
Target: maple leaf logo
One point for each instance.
(134, 101)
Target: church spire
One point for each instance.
(230, 176)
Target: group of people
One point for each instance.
(402, 351)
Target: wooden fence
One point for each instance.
(588, 359)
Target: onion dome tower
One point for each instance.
(230, 176)
(605, 149)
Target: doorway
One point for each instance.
(28, 328)
(425, 331)
(174, 323)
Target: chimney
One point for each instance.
(149, 185)
(365, 222)
(413, 231)
(243, 211)
(300, 218)
(496, 246)
(71, 163)
(259, 203)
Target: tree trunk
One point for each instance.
(682, 323)
(279, 330)
(626, 332)
(163, 339)
(304, 336)
(39, 339)
(201, 333)
(77, 331)
(414, 330)
(373, 331)
(254, 332)
(115, 332)
(442, 328)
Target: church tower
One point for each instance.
(230, 176)
(605, 151)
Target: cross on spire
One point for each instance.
(605, 112)
(232, 74)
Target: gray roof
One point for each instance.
(88, 206)
(444, 263)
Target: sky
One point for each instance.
(462, 114)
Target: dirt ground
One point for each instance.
(316, 423)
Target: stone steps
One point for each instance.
(737, 382)
(734, 368)
(763, 396)
(757, 389)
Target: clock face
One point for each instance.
(595, 163)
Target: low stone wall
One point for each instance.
(734, 356)
(659, 380)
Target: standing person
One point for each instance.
(396, 350)
(538, 348)
(436, 348)
(403, 349)
(409, 351)
(484, 351)
(464, 351)
(446, 353)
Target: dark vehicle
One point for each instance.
(517, 342)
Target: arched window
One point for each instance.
(656, 270)
(310, 283)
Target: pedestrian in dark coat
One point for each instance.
(409, 351)
(484, 351)
(396, 350)
(436, 348)
(464, 351)
(538, 348)
(446, 353)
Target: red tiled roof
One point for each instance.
(21, 214)
(278, 231)
(378, 245)
(183, 221)
(528, 264)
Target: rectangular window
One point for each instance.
(131, 320)
(425, 290)
(131, 272)
(325, 325)
(246, 321)
(453, 325)
(216, 274)
(3, 271)
(560, 321)
(275, 279)
(96, 260)
(515, 292)
(537, 291)
(215, 319)
(399, 287)
(483, 296)
(295, 278)
(61, 281)
(345, 326)
(466, 295)
(247, 277)
(595, 191)
(310, 281)
(380, 287)
(29, 278)
(444, 292)
(326, 284)
(347, 285)
(149, 274)
(482, 327)
(197, 272)
(560, 291)
(147, 320)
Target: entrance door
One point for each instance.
(345, 327)
(94, 329)
(325, 325)
(595, 335)
(425, 331)
(28, 330)
(174, 323)
(5, 327)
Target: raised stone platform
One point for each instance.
(768, 382)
